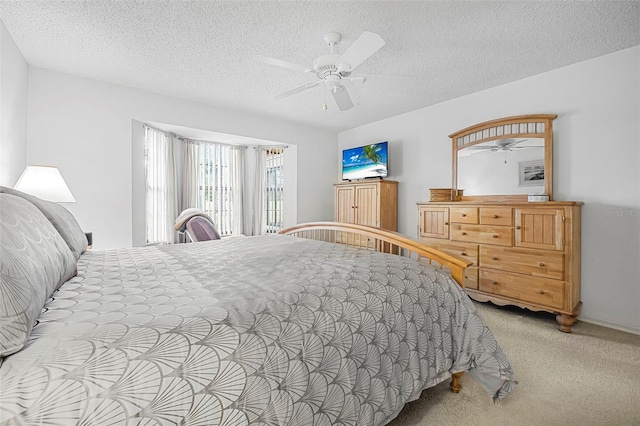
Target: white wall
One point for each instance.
(596, 153)
(84, 127)
(13, 109)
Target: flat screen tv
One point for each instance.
(368, 161)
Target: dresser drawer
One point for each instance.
(496, 216)
(471, 277)
(537, 263)
(464, 215)
(467, 251)
(484, 234)
(541, 291)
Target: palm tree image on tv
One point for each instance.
(372, 153)
(368, 161)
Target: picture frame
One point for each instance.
(531, 173)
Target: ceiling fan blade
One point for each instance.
(342, 98)
(295, 90)
(386, 82)
(484, 147)
(480, 151)
(280, 63)
(366, 45)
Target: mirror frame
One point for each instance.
(532, 126)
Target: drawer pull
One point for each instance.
(541, 291)
(495, 236)
(464, 215)
(518, 227)
(494, 258)
(446, 223)
(541, 264)
(463, 233)
(464, 253)
(495, 216)
(494, 282)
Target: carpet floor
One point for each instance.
(588, 377)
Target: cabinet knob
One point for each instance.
(446, 223)
(495, 236)
(494, 282)
(518, 227)
(494, 258)
(464, 253)
(463, 233)
(464, 215)
(495, 216)
(541, 264)
(541, 292)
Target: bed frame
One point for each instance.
(381, 240)
(377, 239)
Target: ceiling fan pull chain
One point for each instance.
(324, 105)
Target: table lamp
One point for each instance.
(45, 182)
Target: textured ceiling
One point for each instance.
(201, 50)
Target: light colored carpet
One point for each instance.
(588, 377)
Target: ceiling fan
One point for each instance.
(334, 69)
(508, 144)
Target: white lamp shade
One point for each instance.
(45, 182)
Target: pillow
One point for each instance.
(34, 262)
(61, 218)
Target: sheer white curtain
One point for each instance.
(172, 206)
(259, 190)
(237, 160)
(190, 173)
(161, 181)
(183, 173)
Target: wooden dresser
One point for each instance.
(523, 254)
(368, 202)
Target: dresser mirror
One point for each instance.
(508, 158)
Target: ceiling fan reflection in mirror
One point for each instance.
(508, 144)
(334, 70)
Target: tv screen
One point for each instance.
(369, 161)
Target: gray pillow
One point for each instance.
(61, 218)
(34, 262)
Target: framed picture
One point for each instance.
(531, 173)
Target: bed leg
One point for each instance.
(455, 382)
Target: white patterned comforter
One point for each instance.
(269, 330)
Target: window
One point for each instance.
(183, 173)
(215, 185)
(275, 190)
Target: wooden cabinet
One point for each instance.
(434, 222)
(373, 203)
(523, 254)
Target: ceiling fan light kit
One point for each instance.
(334, 69)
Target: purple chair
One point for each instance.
(201, 228)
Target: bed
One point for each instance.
(324, 324)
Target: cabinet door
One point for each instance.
(345, 204)
(434, 222)
(539, 228)
(367, 205)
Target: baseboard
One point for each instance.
(620, 327)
